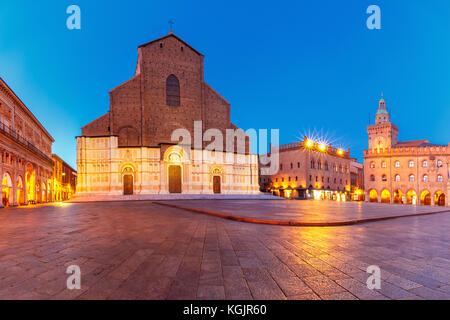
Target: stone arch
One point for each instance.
(174, 154)
(439, 198)
(7, 190)
(128, 137)
(398, 196)
(425, 198)
(373, 195)
(411, 197)
(6, 180)
(386, 196)
(20, 199)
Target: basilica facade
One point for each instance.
(405, 172)
(131, 150)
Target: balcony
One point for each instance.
(10, 133)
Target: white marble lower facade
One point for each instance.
(106, 169)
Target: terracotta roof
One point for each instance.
(415, 143)
(167, 36)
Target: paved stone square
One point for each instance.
(141, 250)
(311, 211)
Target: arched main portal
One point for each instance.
(439, 198)
(7, 196)
(425, 198)
(175, 179)
(128, 180)
(385, 196)
(373, 196)
(20, 194)
(398, 196)
(411, 197)
(174, 157)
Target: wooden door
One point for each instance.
(216, 184)
(441, 201)
(128, 184)
(174, 179)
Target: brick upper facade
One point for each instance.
(139, 114)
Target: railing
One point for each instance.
(9, 132)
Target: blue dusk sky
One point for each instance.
(298, 66)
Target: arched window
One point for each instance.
(425, 178)
(397, 178)
(372, 165)
(411, 164)
(172, 91)
(411, 178)
(439, 163)
(383, 164)
(383, 177)
(425, 163)
(372, 178)
(397, 164)
(439, 178)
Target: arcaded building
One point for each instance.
(309, 169)
(25, 153)
(64, 180)
(404, 172)
(130, 149)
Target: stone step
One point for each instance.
(147, 197)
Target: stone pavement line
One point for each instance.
(296, 223)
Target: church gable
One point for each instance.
(160, 42)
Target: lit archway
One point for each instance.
(411, 197)
(398, 196)
(439, 198)
(385, 196)
(38, 192)
(7, 196)
(373, 196)
(30, 181)
(44, 192)
(425, 198)
(20, 194)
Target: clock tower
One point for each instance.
(383, 134)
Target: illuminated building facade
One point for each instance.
(357, 181)
(64, 180)
(408, 172)
(130, 151)
(25, 150)
(309, 169)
